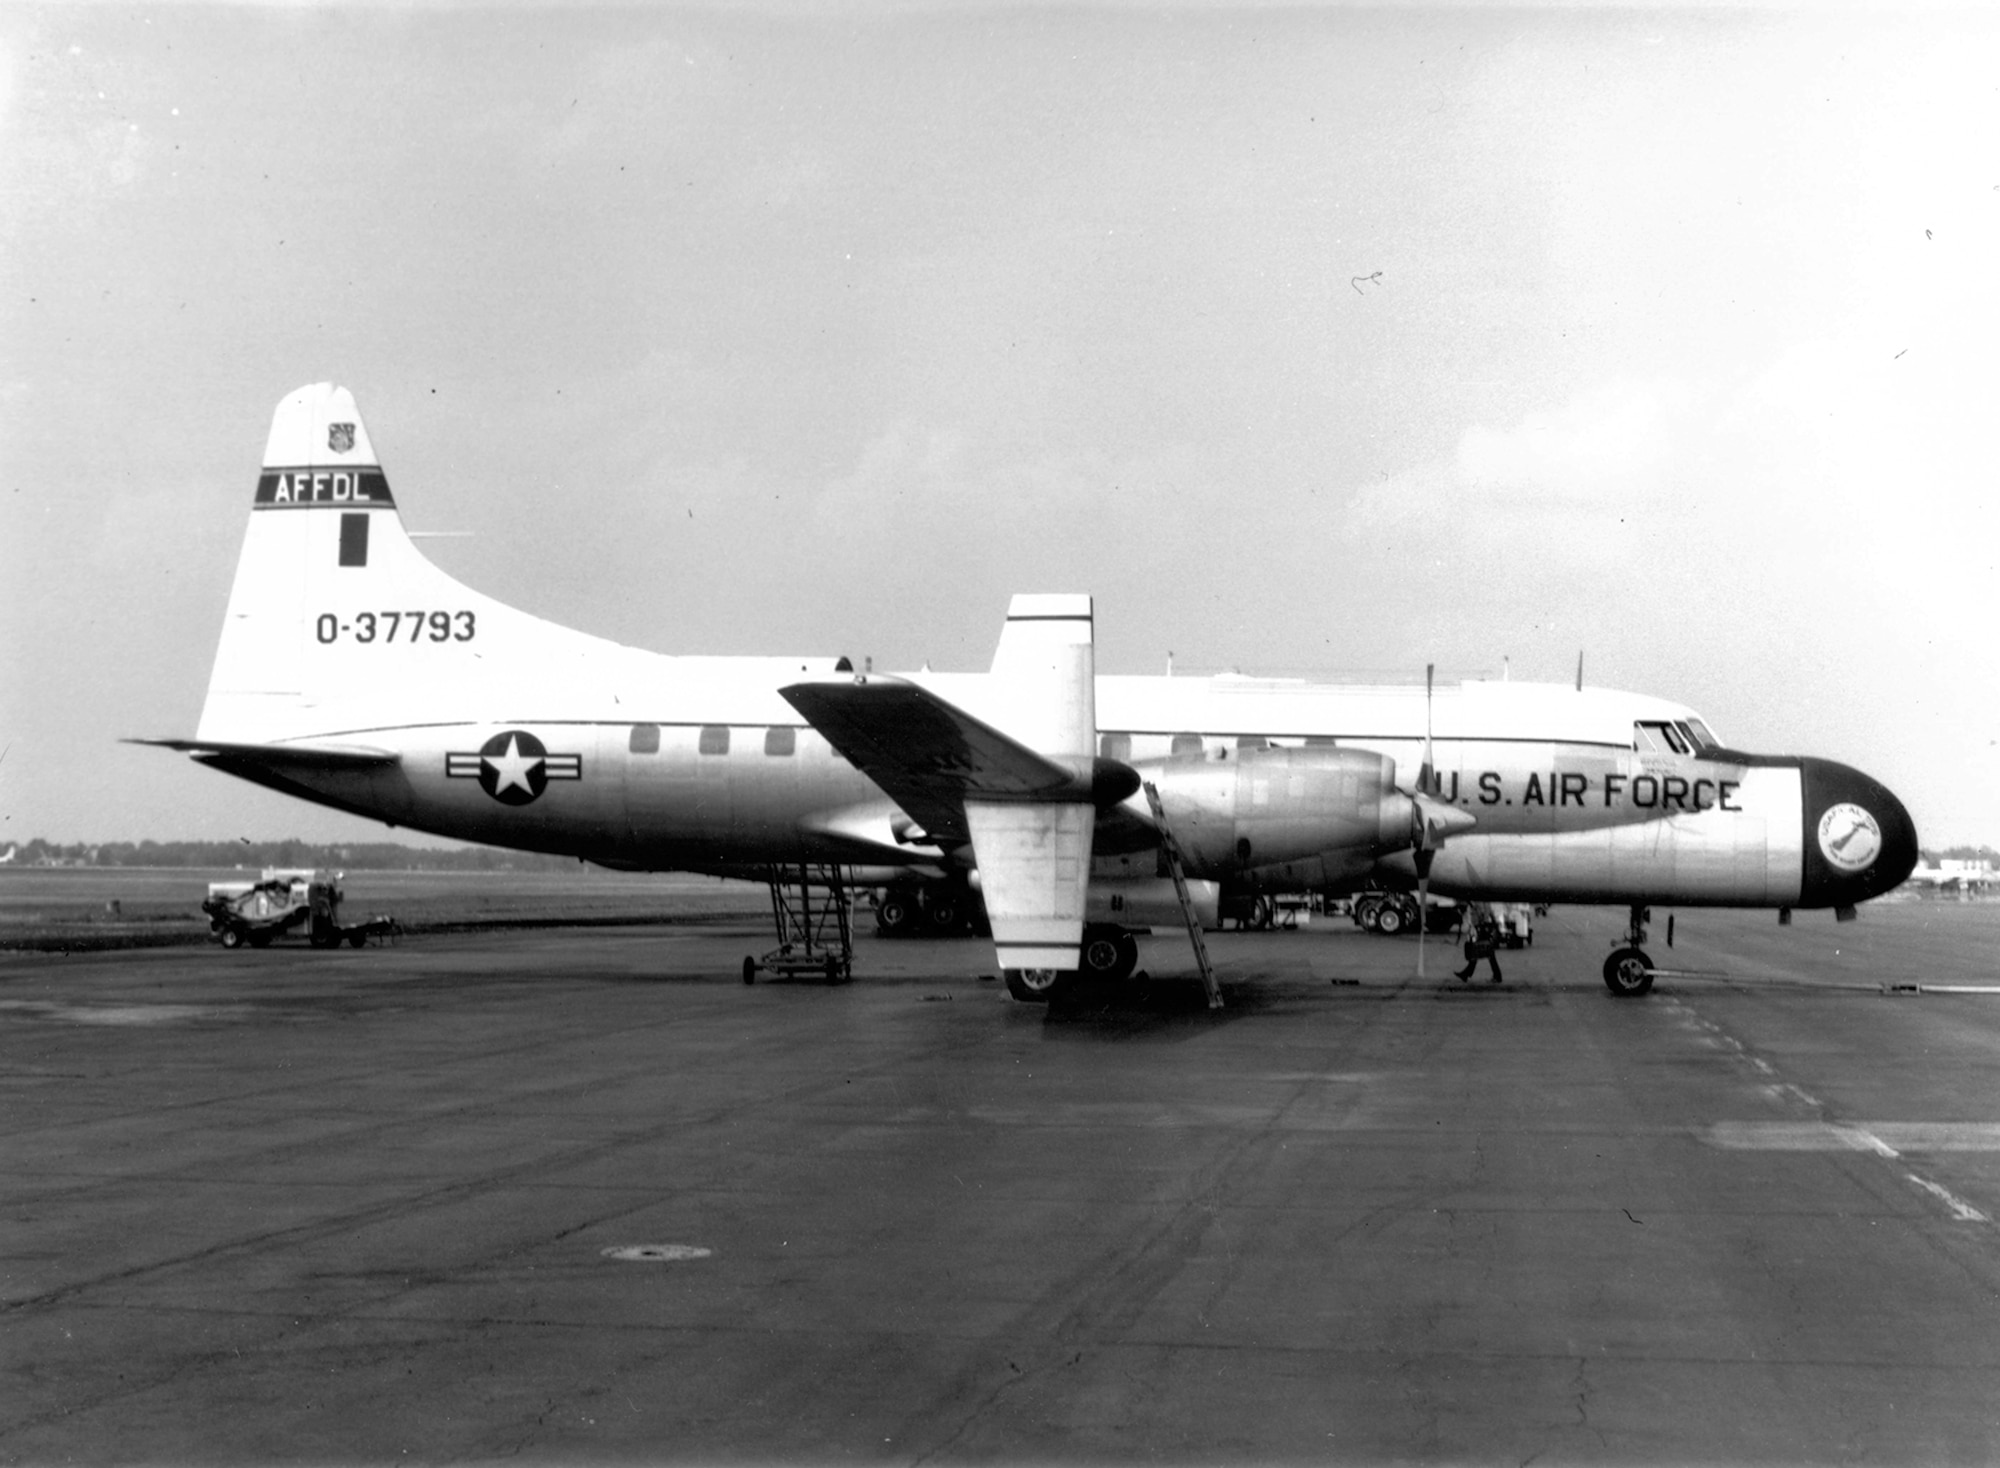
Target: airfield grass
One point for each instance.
(78, 909)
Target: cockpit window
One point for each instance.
(1659, 738)
(1702, 738)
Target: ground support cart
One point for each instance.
(811, 908)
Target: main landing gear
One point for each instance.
(1109, 954)
(1628, 972)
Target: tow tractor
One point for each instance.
(284, 898)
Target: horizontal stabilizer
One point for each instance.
(297, 756)
(927, 754)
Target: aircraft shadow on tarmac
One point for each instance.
(1171, 1008)
(1178, 1007)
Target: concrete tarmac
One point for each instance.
(583, 1196)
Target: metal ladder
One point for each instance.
(1170, 848)
(813, 939)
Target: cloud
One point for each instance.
(1600, 448)
(1574, 483)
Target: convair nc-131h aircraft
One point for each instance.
(354, 673)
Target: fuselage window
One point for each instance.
(1251, 742)
(1115, 746)
(1187, 744)
(781, 739)
(645, 739)
(714, 739)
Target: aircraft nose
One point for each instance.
(1859, 840)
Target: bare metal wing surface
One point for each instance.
(929, 755)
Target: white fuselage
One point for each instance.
(709, 768)
(353, 672)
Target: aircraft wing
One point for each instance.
(298, 756)
(928, 755)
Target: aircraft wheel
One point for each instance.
(1038, 985)
(749, 970)
(896, 914)
(946, 915)
(1628, 973)
(1128, 955)
(1109, 954)
(232, 938)
(1390, 919)
(260, 940)
(358, 938)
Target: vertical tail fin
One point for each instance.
(323, 510)
(336, 620)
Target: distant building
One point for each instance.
(1953, 876)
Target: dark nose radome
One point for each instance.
(1859, 840)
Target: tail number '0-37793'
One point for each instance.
(418, 626)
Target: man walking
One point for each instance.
(1482, 940)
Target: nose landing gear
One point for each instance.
(1628, 972)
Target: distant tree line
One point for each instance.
(361, 855)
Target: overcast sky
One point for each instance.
(1323, 342)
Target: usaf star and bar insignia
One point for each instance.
(514, 767)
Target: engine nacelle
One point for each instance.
(1233, 811)
(1150, 902)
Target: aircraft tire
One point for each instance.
(1128, 955)
(1628, 973)
(231, 937)
(896, 914)
(1110, 954)
(1390, 919)
(1039, 985)
(358, 938)
(1367, 912)
(946, 915)
(749, 970)
(260, 940)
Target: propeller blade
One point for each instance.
(1422, 856)
(1427, 776)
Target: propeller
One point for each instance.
(1422, 851)
(1432, 820)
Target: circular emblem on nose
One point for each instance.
(1849, 837)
